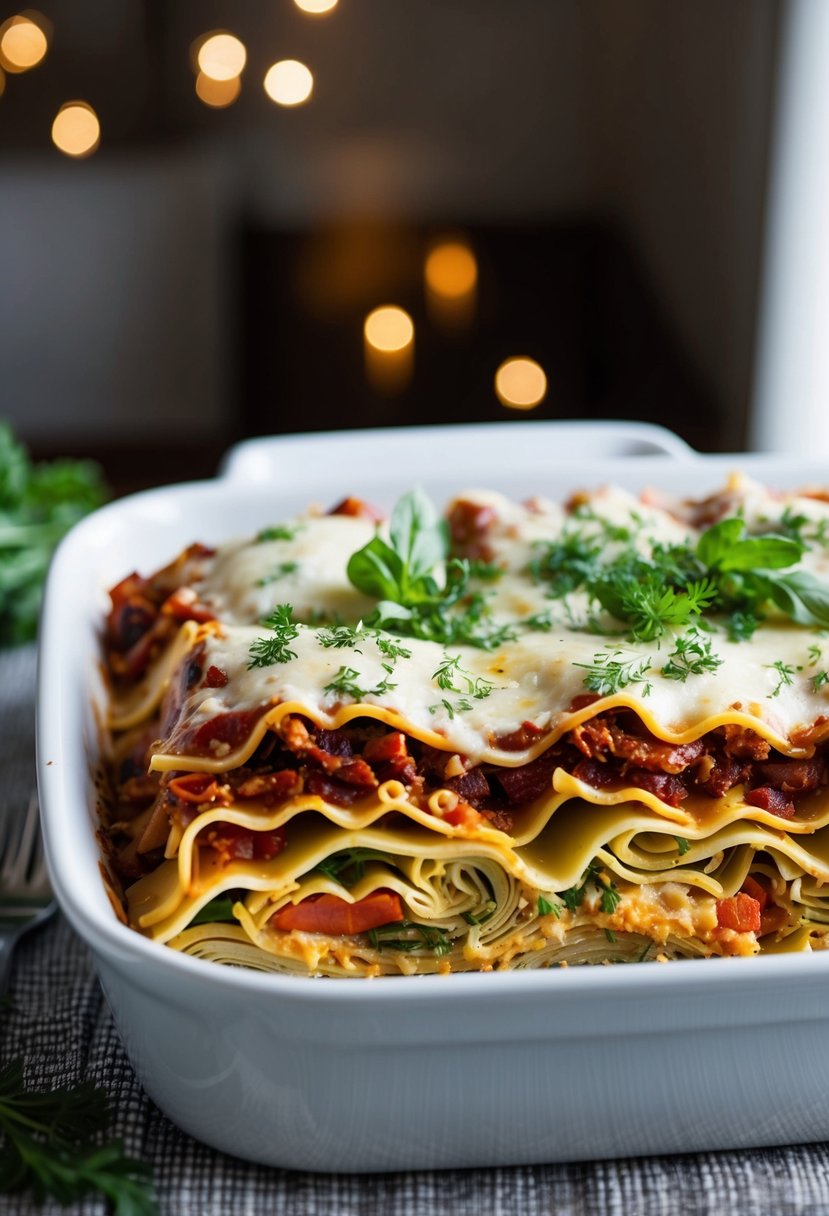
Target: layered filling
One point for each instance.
(573, 735)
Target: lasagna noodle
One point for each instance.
(650, 873)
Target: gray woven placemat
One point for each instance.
(60, 1023)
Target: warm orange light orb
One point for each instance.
(76, 130)
(222, 56)
(317, 7)
(520, 383)
(217, 93)
(389, 328)
(23, 43)
(289, 82)
(451, 270)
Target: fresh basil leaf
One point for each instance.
(417, 534)
(803, 597)
(376, 570)
(716, 541)
(761, 552)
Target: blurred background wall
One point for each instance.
(207, 270)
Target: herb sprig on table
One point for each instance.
(39, 503)
(51, 1144)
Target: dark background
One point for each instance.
(204, 276)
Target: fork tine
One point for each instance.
(19, 853)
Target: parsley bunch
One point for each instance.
(39, 503)
(51, 1144)
(401, 576)
(727, 571)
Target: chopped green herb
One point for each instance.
(609, 674)
(815, 655)
(819, 680)
(279, 572)
(426, 937)
(786, 674)
(741, 624)
(390, 648)
(450, 668)
(264, 652)
(610, 935)
(277, 532)
(546, 908)
(217, 910)
(682, 844)
(461, 706)
(348, 866)
(345, 683)
(480, 918)
(691, 656)
(340, 636)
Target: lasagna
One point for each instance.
(505, 736)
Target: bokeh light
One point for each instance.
(23, 42)
(317, 7)
(76, 130)
(451, 270)
(218, 93)
(221, 56)
(389, 328)
(289, 82)
(520, 383)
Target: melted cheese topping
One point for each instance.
(767, 684)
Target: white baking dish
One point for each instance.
(465, 1070)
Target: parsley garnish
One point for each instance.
(277, 532)
(279, 572)
(450, 668)
(461, 706)
(682, 844)
(345, 683)
(51, 1144)
(691, 656)
(264, 652)
(609, 674)
(819, 680)
(340, 636)
(786, 674)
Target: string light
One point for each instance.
(221, 56)
(520, 383)
(317, 7)
(217, 93)
(23, 42)
(289, 82)
(76, 130)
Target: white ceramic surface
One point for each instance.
(464, 1070)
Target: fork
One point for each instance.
(26, 899)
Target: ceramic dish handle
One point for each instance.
(275, 459)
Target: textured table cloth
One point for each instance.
(59, 1022)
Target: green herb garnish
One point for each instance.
(682, 844)
(420, 593)
(546, 908)
(218, 910)
(279, 572)
(277, 532)
(609, 673)
(264, 652)
(786, 674)
(691, 656)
